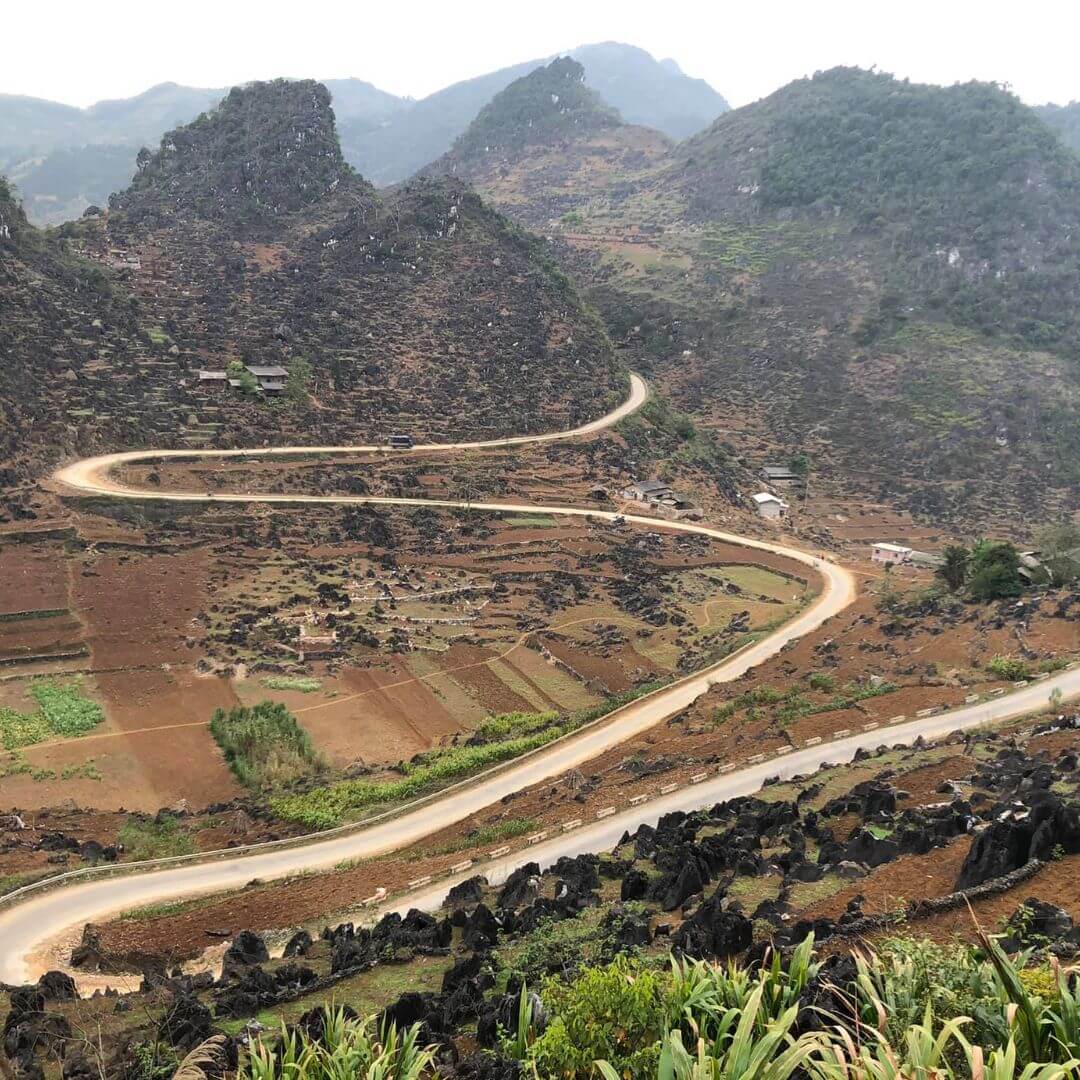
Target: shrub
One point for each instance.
(1009, 668)
(615, 1013)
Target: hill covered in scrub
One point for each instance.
(267, 149)
(247, 240)
(856, 268)
(547, 144)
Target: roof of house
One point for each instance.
(898, 548)
(779, 472)
(651, 487)
(269, 371)
(206, 376)
(763, 497)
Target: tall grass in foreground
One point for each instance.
(349, 1048)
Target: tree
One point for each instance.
(1059, 550)
(995, 571)
(248, 383)
(953, 570)
(296, 385)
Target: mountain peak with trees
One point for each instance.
(549, 105)
(268, 149)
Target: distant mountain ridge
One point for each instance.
(1065, 120)
(62, 158)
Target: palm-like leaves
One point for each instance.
(348, 1050)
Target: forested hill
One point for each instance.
(963, 176)
(549, 105)
(1065, 120)
(267, 149)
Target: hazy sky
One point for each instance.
(79, 52)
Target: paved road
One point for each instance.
(27, 926)
(91, 474)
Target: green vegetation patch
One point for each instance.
(63, 712)
(154, 838)
(303, 684)
(265, 746)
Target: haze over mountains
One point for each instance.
(247, 238)
(63, 158)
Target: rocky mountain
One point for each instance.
(267, 149)
(1065, 120)
(63, 158)
(247, 239)
(547, 144)
(873, 273)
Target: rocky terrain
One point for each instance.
(985, 826)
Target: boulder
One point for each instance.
(185, 1023)
(298, 945)
(470, 891)
(57, 986)
(522, 887)
(713, 932)
(292, 978)
(247, 948)
(481, 930)
(634, 885)
(1035, 923)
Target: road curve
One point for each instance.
(90, 476)
(27, 925)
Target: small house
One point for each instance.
(648, 491)
(781, 476)
(891, 554)
(769, 506)
(270, 377)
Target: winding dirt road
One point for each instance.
(33, 917)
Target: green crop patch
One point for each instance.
(63, 712)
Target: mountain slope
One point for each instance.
(64, 158)
(877, 274)
(546, 144)
(649, 93)
(247, 239)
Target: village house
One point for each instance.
(270, 377)
(780, 476)
(660, 497)
(890, 554)
(648, 491)
(211, 380)
(770, 506)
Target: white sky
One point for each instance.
(79, 52)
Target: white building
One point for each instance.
(769, 506)
(891, 554)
